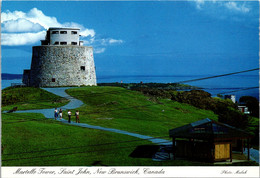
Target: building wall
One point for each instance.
(68, 37)
(62, 66)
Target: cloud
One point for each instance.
(103, 41)
(27, 28)
(100, 44)
(20, 25)
(199, 3)
(15, 39)
(237, 7)
(34, 16)
(5, 16)
(37, 16)
(99, 50)
(87, 32)
(113, 41)
(218, 5)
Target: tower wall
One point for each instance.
(62, 66)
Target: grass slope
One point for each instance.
(30, 98)
(132, 111)
(42, 142)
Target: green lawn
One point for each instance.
(132, 111)
(32, 140)
(30, 98)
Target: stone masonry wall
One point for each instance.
(62, 66)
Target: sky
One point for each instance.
(141, 37)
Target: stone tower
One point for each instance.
(61, 60)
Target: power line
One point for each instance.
(111, 143)
(84, 146)
(114, 109)
(123, 109)
(116, 92)
(71, 153)
(186, 81)
(239, 90)
(88, 156)
(222, 75)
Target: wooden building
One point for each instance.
(208, 140)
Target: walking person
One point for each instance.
(60, 114)
(77, 116)
(69, 115)
(56, 113)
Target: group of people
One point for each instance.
(59, 114)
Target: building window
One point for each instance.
(55, 32)
(63, 43)
(63, 32)
(74, 32)
(74, 43)
(53, 79)
(56, 43)
(82, 68)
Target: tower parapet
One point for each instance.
(62, 36)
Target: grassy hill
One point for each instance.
(30, 98)
(128, 110)
(31, 140)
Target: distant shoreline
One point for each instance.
(6, 76)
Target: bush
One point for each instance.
(225, 109)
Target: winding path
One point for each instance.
(75, 103)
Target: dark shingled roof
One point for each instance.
(208, 129)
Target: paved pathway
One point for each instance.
(49, 113)
(75, 103)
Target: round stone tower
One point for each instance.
(61, 60)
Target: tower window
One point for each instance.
(63, 43)
(74, 43)
(82, 68)
(63, 32)
(55, 32)
(53, 79)
(56, 43)
(74, 32)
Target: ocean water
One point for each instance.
(233, 84)
(7, 83)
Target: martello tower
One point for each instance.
(61, 60)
